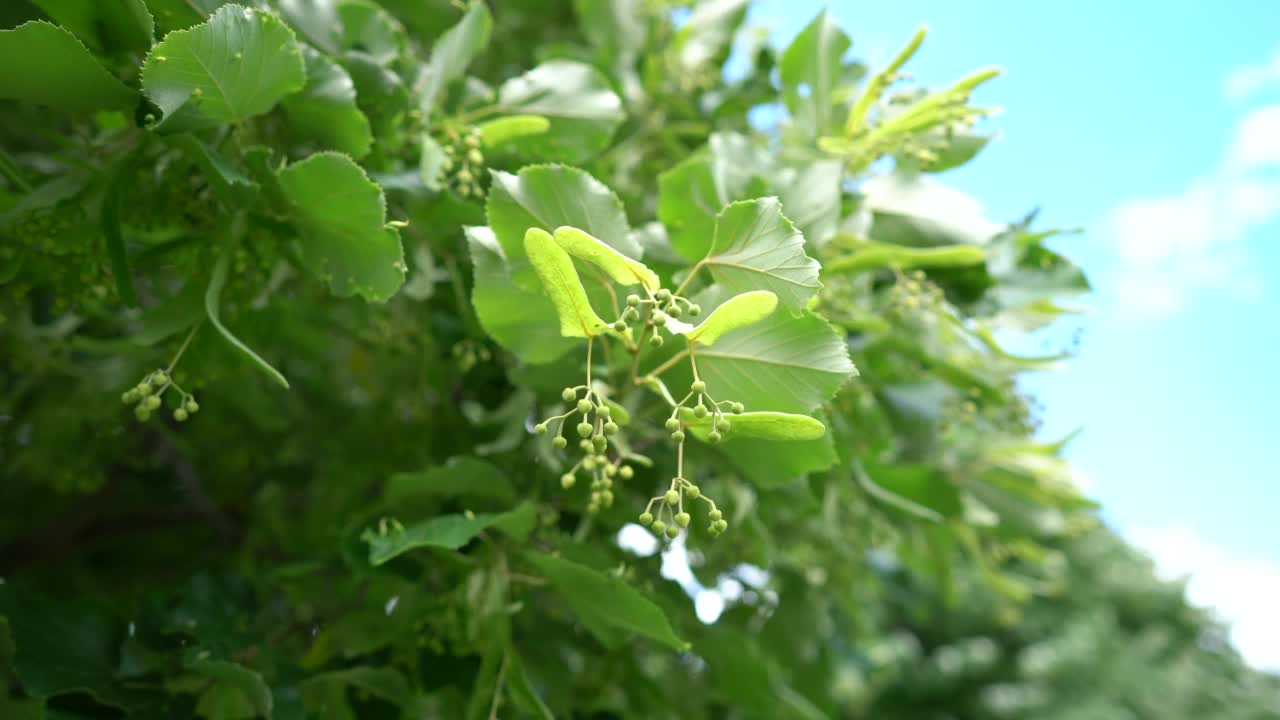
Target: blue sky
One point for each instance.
(1156, 128)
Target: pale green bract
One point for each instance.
(736, 312)
(555, 269)
(620, 268)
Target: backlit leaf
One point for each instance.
(622, 269)
(555, 268)
(756, 247)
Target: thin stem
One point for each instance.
(497, 688)
(667, 365)
(591, 341)
(185, 343)
(689, 277)
(11, 170)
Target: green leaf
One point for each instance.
(520, 523)
(876, 256)
(181, 14)
(448, 532)
(235, 679)
(212, 297)
(921, 486)
(345, 240)
(769, 463)
(575, 98)
(622, 269)
(783, 363)
(63, 648)
(238, 64)
(495, 133)
(459, 477)
(111, 233)
(691, 194)
(325, 111)
(812, 197)
(453, 52)
(234, 187)
(605, 600)
(47, 65)
(548, 197)
(123, 25)
(521, 688)
(738, 311)
(759, 425)
(756, 247)
(383, 682)
(512, 315)
(810, 70)
(171, 315)
(555, 268)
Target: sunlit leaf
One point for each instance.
(737, 312)
(756, 247)
(622, 269)
(555, 268)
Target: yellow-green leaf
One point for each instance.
(736, 312)
(874, 256)
(505, 129)
(555, 269)
(621, 268)
(760, 425)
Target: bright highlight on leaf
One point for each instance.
(736, 312)
(760, 425)
(238, 64)
(560, 278)
(874, 256)
(622, 269)
(512, 127)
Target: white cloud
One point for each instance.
(1250, 79)
(1192, 240)
(1242, 589)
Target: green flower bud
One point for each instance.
(584, 429)
(671, 497)
(606, 483)
(692, 492)
(658, 526)
(722, 425)
(678, 436)
(610, 427)
(737, 408)
(673, 532)
(586, 446)
(559, 442)
(192, 406)
(465, 176)
(589, 462)
(159, 377)
(540, 428)
(143, 389)
(475, 156)
(721, 525)
(569, 394)
(630, 315)
(626, 473)
(663, 295)
(567, 480)
(682, 519)
(633, 300)
(610, 470)
(656, 341)
(713, 437)
(672, 425)
(715, 515)
(698, 386)
(598, 442)
(584, 406)
(152, 402)
(142, 413)
(694, 310)
(606, 498)
(700, 411)
(646, 518)
(674, 311)
(659, 318)
(604, 411)
(129, 397)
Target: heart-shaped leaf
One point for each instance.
(756, 247)
(47, 65)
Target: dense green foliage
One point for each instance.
(379, 282)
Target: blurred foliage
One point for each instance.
(288, 223)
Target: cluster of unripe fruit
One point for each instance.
(671, 507)
(719, 423)
(148, 395)
(463, 164)
(670, 308)
(596, 426)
